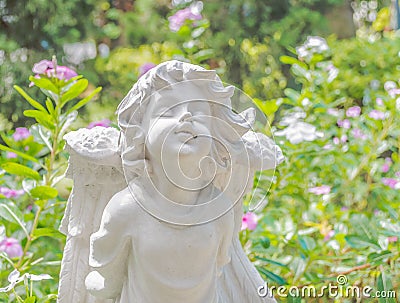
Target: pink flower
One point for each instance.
(46, 67)
(329, 235)
(357, 133)
(333, 112)
(336, 140)
(392, 183)
(102, 123)
(394, 92)
(61, 72)
(353, 111)
(249, 221)
(21, 133)
(11, 155)
(389, 85)
(42, 66)
(376, 115)
(386, 166)
(344, 208)
(343, 138)
(320, 190)
(145, 68)
(192, 12)
(379, 101)
(397, 174)
(344, 123)
(11, 193)
(392, 239)
(11, 247)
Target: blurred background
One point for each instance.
(110, 41)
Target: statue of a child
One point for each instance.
(171, 234)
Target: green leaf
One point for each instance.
(73, 79)
(84, 101)
(291, 61)
(268, 107)
(20, 170)
(50, 107)
(41, 135)
(271, 276)
(307, 243)
(30, 300)
(298, 266)
(47, 299)
(41, 203)
(360, 242)
(301, 72)
(385, 288)
(363, 227)
(47, 232)
(21, 154)
(44, 83)
(271, 261)
(74, 91)
(265, 242)
(42, 118)
(292, 94)
(11, 213)
(28, 98)
(198, 32)
(392, 212)
(378, 258)
(67, 121)
(204, 54)
(44, 192)
(7, 140)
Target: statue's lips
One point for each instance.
(186, 132)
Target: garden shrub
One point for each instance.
(32, 202)
(334, 204)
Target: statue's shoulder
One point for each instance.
(125, 204)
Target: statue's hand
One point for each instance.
(100, 287)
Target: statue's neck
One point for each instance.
(176, 184)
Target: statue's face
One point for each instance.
(178, 123)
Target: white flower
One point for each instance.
(317, 43)
(313, 45)
(15, 277)
(299, 131)
(305, 102)
(332, 73)
(302, 51)
(389, 85)
(293, 117)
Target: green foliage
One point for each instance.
(34, 160)
(352, 229)
(50, 24)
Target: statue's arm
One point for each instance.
(226, 230)
(109, 250)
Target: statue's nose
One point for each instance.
(185, 116)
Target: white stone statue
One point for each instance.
(156, 207)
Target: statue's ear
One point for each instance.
(131, 145)
(131, 142)
(231, 126)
